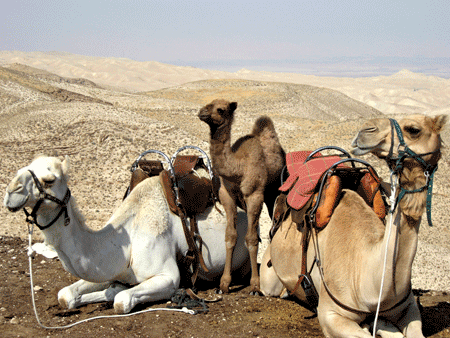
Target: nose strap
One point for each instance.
(32, 217)
(396, 165)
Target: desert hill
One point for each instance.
(103, 122)
(405, 92)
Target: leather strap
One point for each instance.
(305, 242)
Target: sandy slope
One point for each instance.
(104, 112)
(402, 93)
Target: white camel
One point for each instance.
(352, 246)
(133, 258)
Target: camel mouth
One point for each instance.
(203, 117)
(17, 208)
(360, 150)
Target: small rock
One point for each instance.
(38, 288)
(15, 320)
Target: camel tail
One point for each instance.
(275, 156)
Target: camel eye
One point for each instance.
(413, 131)
(48, 181)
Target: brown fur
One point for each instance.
(250, 173)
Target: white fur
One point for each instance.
(138, 246)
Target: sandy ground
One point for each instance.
(104, 112)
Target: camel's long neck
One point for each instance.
(402, 242)
(221, 153)
(79, 248)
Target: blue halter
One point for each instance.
(396, 165)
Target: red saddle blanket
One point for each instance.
(303, 177)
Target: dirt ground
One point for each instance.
(237, 315)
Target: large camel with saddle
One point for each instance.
(249, 171)
(347, 259)
(136, 257)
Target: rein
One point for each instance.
(396, 165)
(31, 218)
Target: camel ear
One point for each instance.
(65, 165)
(439, 122)
(232, 106)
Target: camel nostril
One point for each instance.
(16, 188)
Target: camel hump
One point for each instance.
(263, 125)
(264, 130)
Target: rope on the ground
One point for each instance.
(185, 298)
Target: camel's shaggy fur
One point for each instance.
(250, 173)
(352, 247)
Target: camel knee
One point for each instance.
(66, 298)
(123, 302)
(252, 240)
(231, 238)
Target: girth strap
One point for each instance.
(305, 242)
(194, 256)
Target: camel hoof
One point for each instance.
(224, 287)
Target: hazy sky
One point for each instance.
(228, 30)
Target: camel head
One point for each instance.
(51, 172)
(421, 134)
(218, 113)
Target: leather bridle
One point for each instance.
(396, 165)
(32, 217)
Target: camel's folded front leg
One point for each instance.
(385, 329)
(159, 287)
(84, 292)
(407, 318)
(335, 325)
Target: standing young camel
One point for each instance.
(352, 247)
(249, 172)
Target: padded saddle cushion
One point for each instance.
(302, 185)
(304, 177)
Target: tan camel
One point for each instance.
(250, 174)
(352, 247)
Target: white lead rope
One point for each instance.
(392, 198)
(30, 256)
